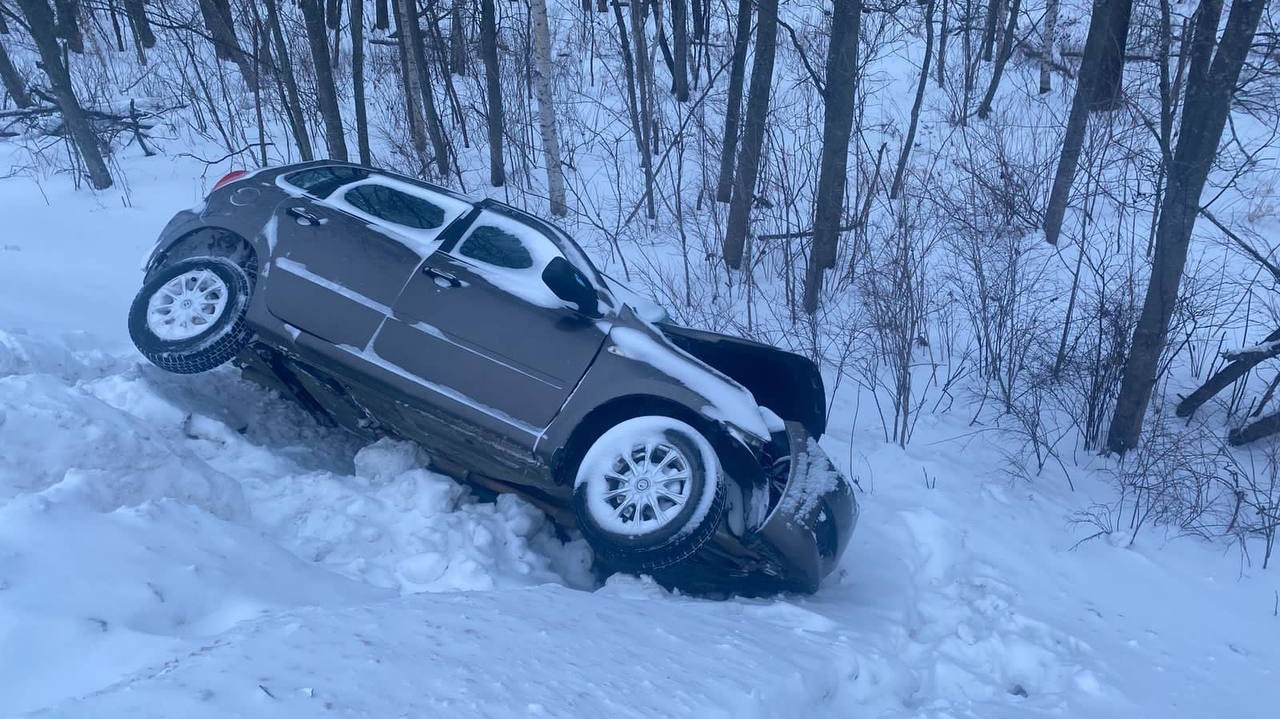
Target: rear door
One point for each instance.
(340, 261)
(479, 321)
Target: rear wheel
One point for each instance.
(189, 317)
(649, 493)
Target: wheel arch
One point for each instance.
(210, 241)
(564, 461)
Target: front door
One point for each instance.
(479, 322)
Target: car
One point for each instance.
(395, 307)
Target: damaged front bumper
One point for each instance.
(802, 538)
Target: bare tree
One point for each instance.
(909, 141)
(1006, 49)
(457, 39)
(733, 110)
(1098, 43)
(13, 83)
(493, 91)
(1211, 83)
(357, 80)
(418, 83)
(136, 11)
(222, 30)
(381, 21)
(644, 99)
(744, 178)
(680, 49)
(68, 24)
(287, 84)
(1048, 44)
(326, 93)
(546, 106)
(837, 125)
(40, 22)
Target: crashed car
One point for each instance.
(394, 307)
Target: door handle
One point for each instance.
(442, 278)
(303, 217)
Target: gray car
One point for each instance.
(391, 306)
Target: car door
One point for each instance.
(339, 262)
(478, 323)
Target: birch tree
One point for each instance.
(546, 106)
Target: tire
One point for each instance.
(202, 334)
(636, 471)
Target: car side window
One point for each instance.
(396, 207)
(322, 181)
(496, 246)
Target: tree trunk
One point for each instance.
(412, 83)
(419, 75)
(644, 87)
(1077, 120)
(1107, 89)
(733, 110)
(944, 29)
(4, 23)
(1006, 49)
(744, 179)
(1210, 85)
(457, 40)
(40, 21)
(991, 28)
(326, 93)
(1238, 367)
(356, 12)
(680, 48)
(284, 75)
(381, 21)
(546, 106)
(493, 91)
(837, 125)
(13, 82)
(217, 18)
(1049, 44)
(333, 13)
(896, 188)
(136, 11)
(68, 24)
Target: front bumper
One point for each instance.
(801, 539)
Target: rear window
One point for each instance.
(322, 181)
(395, 206)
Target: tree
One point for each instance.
(326, 93)
(457, 40)
(1048, 44)
(909, 141)
(493, 91)
(288, 84)
(381, 21)
(222, 30)
(837, 125)
(1099, 43)
(744, 178)
(1210, 85)
(357, 80)
(1002, 59)
(40, 21)
(13, 83)
(413, 61)
(733, 110)
(68, 24)
(680, 49)
(546, 106)
(136, 11)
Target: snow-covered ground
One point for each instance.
(194, 546)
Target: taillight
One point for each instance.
(229, 178)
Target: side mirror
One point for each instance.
(569, 284)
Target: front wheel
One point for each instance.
(649, 493)
(190, 316)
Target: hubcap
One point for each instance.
(644, 489)
(186, 305)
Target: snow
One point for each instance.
(195, 546)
